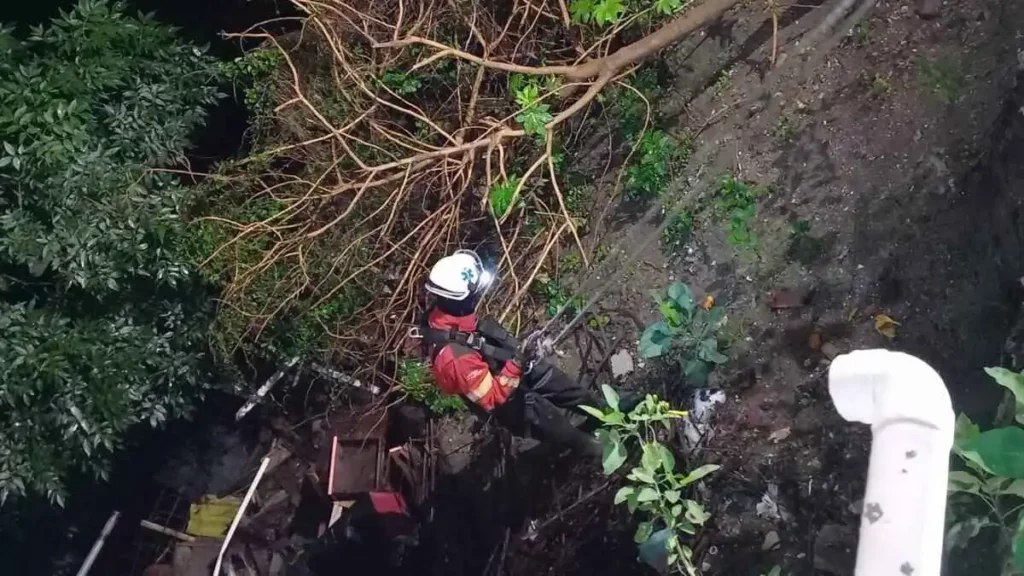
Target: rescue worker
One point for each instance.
(482, 362)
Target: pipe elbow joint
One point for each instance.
(877, 387)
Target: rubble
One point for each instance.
(323, 493)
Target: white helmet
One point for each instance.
(458, 276)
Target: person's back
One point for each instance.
(458, 369)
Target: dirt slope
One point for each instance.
(903, 152)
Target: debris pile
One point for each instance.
(330, 492)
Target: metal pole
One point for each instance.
(98, 544)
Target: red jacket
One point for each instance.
(460, 370)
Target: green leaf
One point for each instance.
(632, 503)
(698, 474)
(1010, 380)
(965, 431)
(650, 458)
(642, 475)
(709, 352)
(672, 496)
(614, 418)
(502, 196)
(527, 96)
(667, 6)
(960, 481)
(696, 371)
(594, 412)
(613, 450)
(682, 296)
(623, 493)
(608, 11)
(582, 11)
(1013, 382)
(671, 313)
(695, 512)
(610, 396)
(643, 532)
(1013, 488)
(10, 148)
(995, 485)
(535, 118)
(647, 494)
(716, 317)
(656, 340)
(668, 461)
(1000, 450)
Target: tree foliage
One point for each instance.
(97, 307)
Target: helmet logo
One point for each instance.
(467, 274)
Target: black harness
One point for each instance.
(490, 340)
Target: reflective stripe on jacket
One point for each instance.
(460, 370)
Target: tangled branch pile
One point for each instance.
(389, 132)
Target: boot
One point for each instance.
(550, 424)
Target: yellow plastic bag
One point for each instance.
(212, 516)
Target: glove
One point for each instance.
(536, 347)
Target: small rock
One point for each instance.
(771, 540)
(779, 435)
(768, 507)
(829, 350)
(927, 9)
(621, 363)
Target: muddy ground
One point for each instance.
(904, 150)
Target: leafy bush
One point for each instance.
(555, 296)
(677, 233)
(414, 380)
(71, 388)
(648, 175)
(533, 115)
(605, 12)
(99, 313)
(503, 195)
(738, 200)
(252, 73)
(653, 490)
(996, 477)
(688, 330)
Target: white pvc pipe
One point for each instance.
(98, 544)
(911, 417)
(239, 515)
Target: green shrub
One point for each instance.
(995, 477)
(688, 331)
(555, 296)
(101, 316)
(653, 491)
(648, 173)
(738, 201)
(677, 233)
(414, 380)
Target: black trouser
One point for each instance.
(541, 406)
